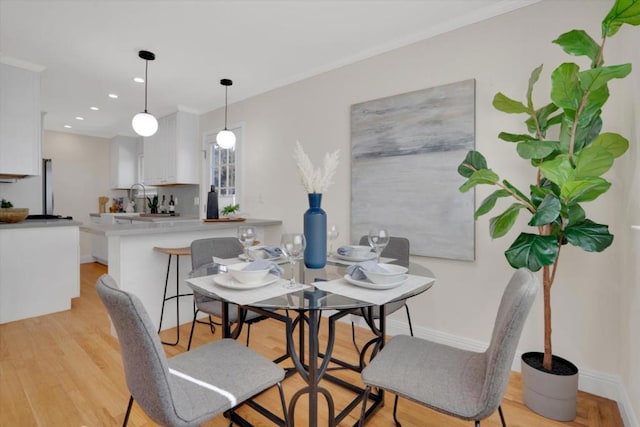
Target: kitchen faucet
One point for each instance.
(144, 192)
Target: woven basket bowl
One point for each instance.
(13, 214)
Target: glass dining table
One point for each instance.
(322, 291)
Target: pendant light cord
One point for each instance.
(226, 90)
(146, 67)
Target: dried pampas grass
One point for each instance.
(315, 180)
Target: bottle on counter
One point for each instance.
(163, 205)
(172, 206)
(212, 204)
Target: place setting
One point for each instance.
(373, 282)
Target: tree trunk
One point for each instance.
(546, 285)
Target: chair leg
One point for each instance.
(283, 402)
(395, 412)
(126, 416)
(477, 423)
(363, 411)
(248, 333)
(406, 307)
(353, 337)
(193, 326)
(504, 424)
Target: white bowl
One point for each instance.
(357, 251)
(247, 276)
(393, 275)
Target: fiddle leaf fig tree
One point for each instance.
(564, 142)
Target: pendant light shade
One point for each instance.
(145, 124)
(225, 138)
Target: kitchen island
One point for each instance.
(139, 269)
(39, 267)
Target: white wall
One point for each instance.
(500, 54)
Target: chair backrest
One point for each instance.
(515, 305)
(397, 248)
(202, 250)
(145, 365)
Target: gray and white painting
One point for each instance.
(405, 151)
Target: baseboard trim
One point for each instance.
(594, 382)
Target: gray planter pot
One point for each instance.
(550, 394)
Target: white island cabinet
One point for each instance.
(39, 268)
(139, 269)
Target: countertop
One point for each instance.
(36, 223)
(170, 225)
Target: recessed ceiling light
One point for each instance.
(138, 79)
(79, 118)
(94, 108)
(113, 95)
(68, 126)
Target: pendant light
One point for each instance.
(143, 123)
(225, 138)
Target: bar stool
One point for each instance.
(186, 251)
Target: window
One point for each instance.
(223, 170)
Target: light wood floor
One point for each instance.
(64, 369)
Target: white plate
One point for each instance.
(367, 284)
(227, 281)
(274, 259)
(369, 256)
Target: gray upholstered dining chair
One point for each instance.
(202, 252)
(192, 387)
(461, 383)
(398, 248)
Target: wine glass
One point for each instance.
(332, 234)
(246, 236)
(292, 245)
(378, 240)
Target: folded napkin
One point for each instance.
(344, 250)
(263, 264)
(356, 271)
(272, 251)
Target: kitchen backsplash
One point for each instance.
(183, 195)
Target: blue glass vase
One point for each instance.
(315, 233)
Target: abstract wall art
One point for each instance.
(405, 151)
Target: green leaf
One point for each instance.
(592, 161)
(565, 87)
(537, 149)
(597, 77)
(532, 251)
(507, 105)
(584, 135)
(593, 106)
(614, 143)
(513, 137)
(519, 193)
(578, 43)
(558, 170)
(584, 190)
(622, 12)
(548, 211)
(488, 203)
(575, 214)
(544, 121)
(589, 236)
(535, 75)
(501, 224)
(484, 176)
(472, 162)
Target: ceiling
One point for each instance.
(87, 49)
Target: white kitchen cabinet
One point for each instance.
(171, 156)
(20, 122)
(124, 161)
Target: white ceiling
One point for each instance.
(89, 48)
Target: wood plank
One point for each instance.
(65, 369)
